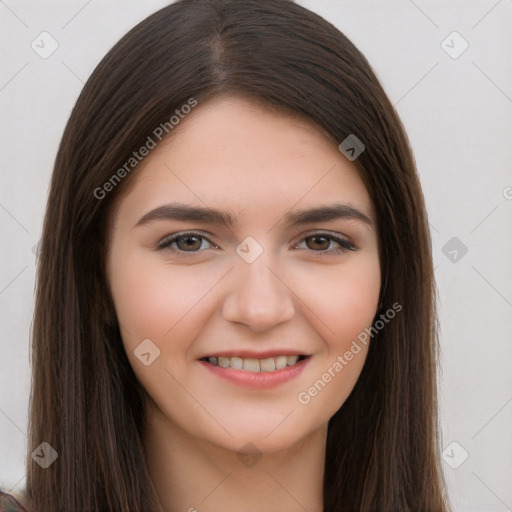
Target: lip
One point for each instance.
(258, 380)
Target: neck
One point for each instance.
(193, 475)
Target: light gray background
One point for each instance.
(457, 112)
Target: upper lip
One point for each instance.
(251, 354)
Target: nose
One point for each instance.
(258, 297)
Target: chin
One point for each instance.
(264, 437)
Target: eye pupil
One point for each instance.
(317, 237)
(188, 244)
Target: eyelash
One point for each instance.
(169, 240)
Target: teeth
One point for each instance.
(237, 363)
(224, 362)
(251, 365)
(268, 365)
(248, 364)
(291, 360)
(281, 362)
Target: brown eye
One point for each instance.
(185, 243)
(319, 242)
(189, 243)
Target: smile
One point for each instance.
(269, 364)
(260, 373)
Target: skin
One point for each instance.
(235, 155)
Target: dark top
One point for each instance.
(8, 503)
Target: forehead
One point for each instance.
(235, 154)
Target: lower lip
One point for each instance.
(258, 380)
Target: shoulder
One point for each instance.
(9, 503)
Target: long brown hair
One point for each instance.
(382, 445)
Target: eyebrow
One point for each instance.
(178, 211)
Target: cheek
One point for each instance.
(343, 302)
(156, 302)
(144, 290)
(344, 306)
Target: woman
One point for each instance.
(257, 370)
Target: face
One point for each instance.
(204, 302)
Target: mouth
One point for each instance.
(253, 365)
(268, 371)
